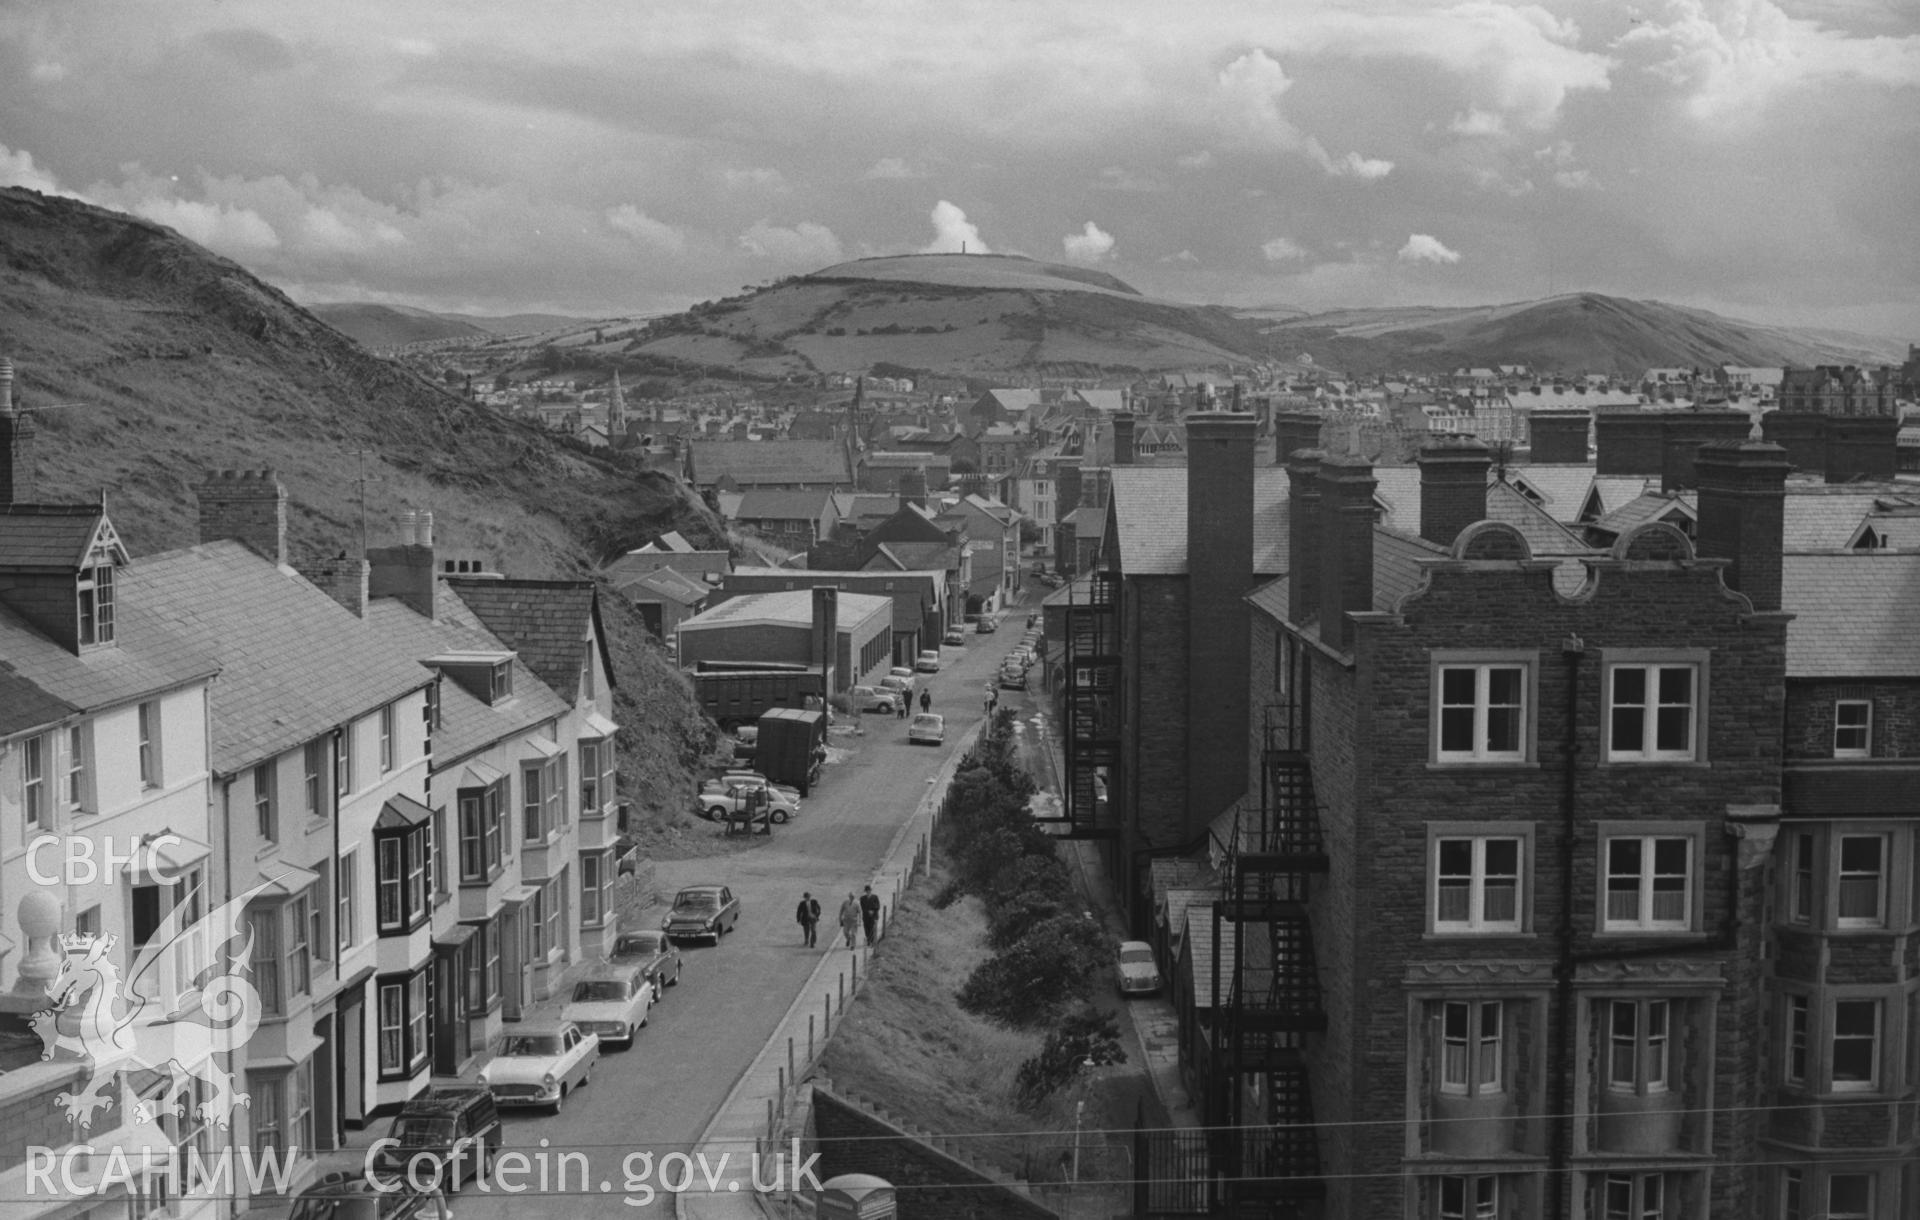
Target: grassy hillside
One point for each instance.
(149, 361)
(1578, 332)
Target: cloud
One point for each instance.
(806, 244)
(1573, 179)
(1184, 256)
(1422, 248)
(645, 229)
(1478, 123)
(1090, 245)
(759, 179)
(1731, 57)
(1247, 105)
(1283, 250)
(1118, 178)
(17, 169)
(1202, 159)
(891, 169)
(237, 231)
(952, 232)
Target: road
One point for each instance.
(658, 1097)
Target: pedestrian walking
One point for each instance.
(870, 914)
(808, 915)
(850, 918)
(926, 700)
(901, 705)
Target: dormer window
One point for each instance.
(502, 681)
(96, 605)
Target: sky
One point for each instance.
(623, 157)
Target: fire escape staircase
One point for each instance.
(1093, 707)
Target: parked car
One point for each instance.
(927, 729)
(1021, 656)
(721, 798)
(954, 636)
(901, 685)
(987, 625)
(1135, 968)
(1012, 677)
(539, 1064)
(928, 662)
(745, 741)
(758, 779)
(611, 1002)
(873, 699)
(658, 958)
(701, 911)
(362, 1196)
(454, 1129)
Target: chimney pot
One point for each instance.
(1453, 487)
(425, 528)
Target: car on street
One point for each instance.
(746, 742)
(1021, 656)
(987, 625)
(901, 686)
(611, 1002)
(702, 911)
(928, 662)
(446, 1135)
(1135, 968)
(927, 729)
(758, 779)
(873, 699)
(1012, 677)
(721, 798)
(540, 1063)
(658, 958)
(362, 1196)
(954, 636)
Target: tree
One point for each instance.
(501, 381)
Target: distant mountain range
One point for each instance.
(384, 326)
(994, 316)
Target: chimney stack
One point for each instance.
(1629, 442)
(16, 444)
(1220, 464)
(1742, 512)
(913, 487)
(407, 571)
(1346, 545)
(248, 506)
(1802, 434)
(1559, 438)
(1453, 486)
(1303, 534)
(1861, 447)
(1683, 436)
(826, 637)
(1294, 430)
(1123, 439)
(344, 579)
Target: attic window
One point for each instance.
(502, 681)
(96, 605)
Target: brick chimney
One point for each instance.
(1559, 438)
(1220, 463)
(1294, 430)
(1453, 486)
(1802, 434)
(1742, 511)
(1861, 447)
(248, 506)
(1123, 439)
(1346, 545)
(1628, 442)
(1684, 434)
(913, 487)
(407, 571)
(16, 444)
(1303, 534)
(342, 578)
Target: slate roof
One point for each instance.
(1271, 598)
(293, 663)
(467, 724)
(24, 707)
(1396, 565)
(784, 505)
(1544, 535)
(542, 620)
(1088, 523)
(666, 584)
(1563, 491)
(1653, 506)
(911, 459)
(788, 607)
(1149, 509)
(1821, 519)
(1563, 487)
(635, 564)
(923, 556)
(1854, 614)
(1618, 489)
(47, 537)
(770, 462)
(913, 595)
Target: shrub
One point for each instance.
(1011, 919)
(1086, 1034)
(1051, 966)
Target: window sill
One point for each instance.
(1674, 935)
(1700, 764)
(1438, 935)
(270, 849)
(315, 825)
(1483, 764)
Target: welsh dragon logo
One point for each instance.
(128, 1027)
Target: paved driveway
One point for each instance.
(657, 1097)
